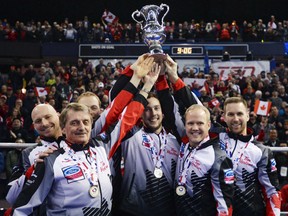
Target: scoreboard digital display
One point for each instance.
(186, 50)
(174, 50)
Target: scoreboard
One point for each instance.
(183, 50)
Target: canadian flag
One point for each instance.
(262, 107)
(109, 17)
(214, 103)
(40, 91)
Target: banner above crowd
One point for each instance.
(247, 68)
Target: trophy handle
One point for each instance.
(167, 10)
(138, 14)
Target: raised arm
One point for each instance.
(181, 91)
(134, 110)
(125, 77)
(111, 114)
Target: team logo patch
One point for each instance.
(146, 141)
(229, 176)
(273, 165)
(73, 173)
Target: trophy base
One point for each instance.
(159, 57)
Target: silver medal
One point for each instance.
(180, 190)
(94, 191)
(158, 173)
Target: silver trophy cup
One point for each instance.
(152, 25)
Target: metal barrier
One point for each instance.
(25, 145)
(17, 145)
(279, 149)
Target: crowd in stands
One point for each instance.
(89, 31)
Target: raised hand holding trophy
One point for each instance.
(153, 31)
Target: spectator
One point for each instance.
(100, 65)
(42, 77)
(17, 131)
(282, 93)
(15, 113)
(260, 30)
(274, 118)
(283, 134)
(185, 72)
(16, 78)
(29, 73)
(46, 34)
(271, 24)
(252, 120)
(224, 34)
(4, 108)
(13, 157)
(273, 140)
(70, 33)
(282, 165)
(30, 100)
(11, 97)
(276, 101)
(262, 128)
(97, 33)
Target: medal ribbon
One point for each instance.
(236, 159)
(158, 157)
(183, 172)
(89, 170)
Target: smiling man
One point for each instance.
(150, 157)
(75, 179)
(204, 173)
(46, 123)
(92, 101)
(253, 165)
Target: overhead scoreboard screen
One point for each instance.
(174, 50)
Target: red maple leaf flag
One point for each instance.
(215, 102)
(40, 91)
(262, 107)
(109, 17)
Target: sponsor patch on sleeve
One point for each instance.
(73, 173)
(228, 176)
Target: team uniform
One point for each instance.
(255, 172)
(149, 162)
(149, 165)
(256, 175)
(204, 188)
(111, 138)
(74, 181)
(204, 180)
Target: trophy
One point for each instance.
(149, 18)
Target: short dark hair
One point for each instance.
(235, 100)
